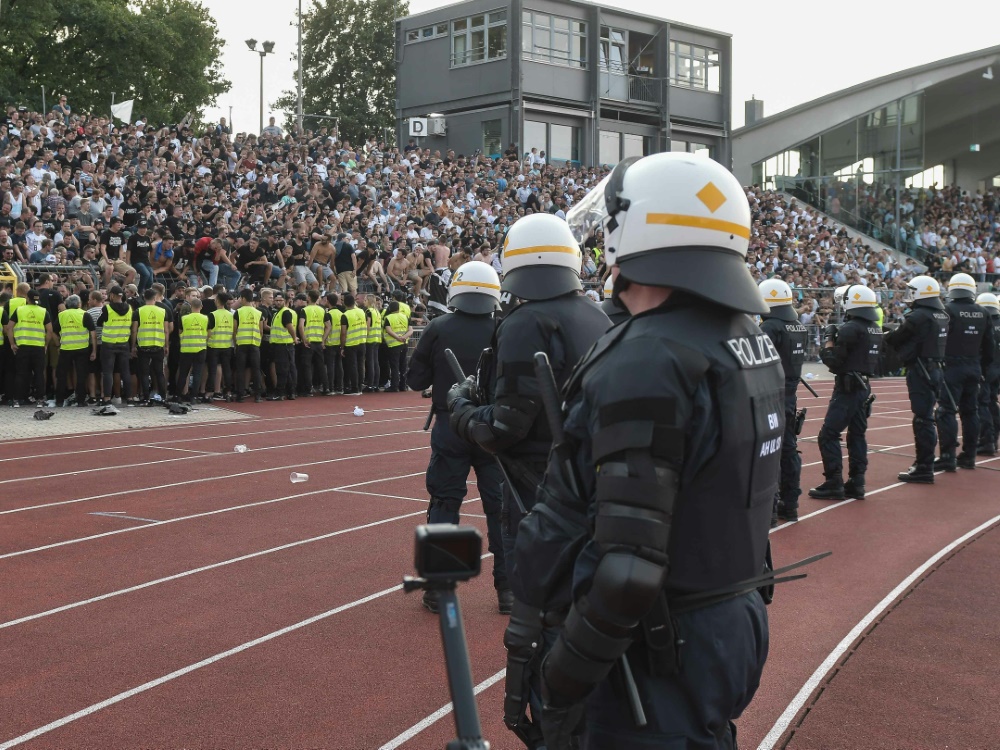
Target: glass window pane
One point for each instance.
(617, 36)
(560, 23)
(526, 39)
(631, 145)
(684, 71)
(477, 48)
(617, 63)
(479, 20)
(561, 146)
(678, 146)
(684, 49)
(492, 132)
(498, 42)
(526, 16)
(701, 149)
(610, 147)
(698, 74)
(534, 136)
(714, 77)
(605, 32)
(541, 45)
(541, 20)
(442, 28)
(580, 49)
(560, 47)
(427, 32)
(578, 27)
(459, 25)
(412, 36)
(498, 16)
(712, 55)
(459, 49)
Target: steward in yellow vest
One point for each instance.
(194, 342)
(374, 342)
(353, 336)
(221, 331)
(314, 327)
(332, 353)
(152, 338)
(77, 349)
(248, 337)
(116, 327)
(283, 340)
(397, 334)
(29, 328)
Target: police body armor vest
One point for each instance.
(73, 334)
(723, 512)
(790, 341)
(150, 331)
(467, 336)
(863, 357)
(994, 369)
(572, 324)
(936, 341)
(968, 326)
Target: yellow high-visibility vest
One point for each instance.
(375, 332)
(357, 331)
(150, 331)
(398, 323)
(117, 328)
(279, 334)
(29, 330)
(221, 334)
(194, 333)
(73, 335)
(334, 338)
(314, 330)
(248, 334)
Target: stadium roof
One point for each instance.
(961, 107)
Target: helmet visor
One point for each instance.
(590, 213)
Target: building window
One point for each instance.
(692, 147)
(427, 32)
(695, 67)
(610, 148)
(492, 138)
(632, 145)
(561, 143)
(479, 38)
(553, 39)
(534, 136)
(613, 46)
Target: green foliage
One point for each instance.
(349, 68)
(165, 54)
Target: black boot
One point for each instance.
(917, 474)
(854, 488)
(966, 461)
(831, 489)
(505, 600)
(985, 449)
(945, 463)
(430, 600)
(788, 513)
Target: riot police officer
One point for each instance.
(852, 354)
(615, 312)
(782, 326)
(541, 267)
(657, 556)
(989, 411)
(920, 343)
(967, 357)
(474, 296)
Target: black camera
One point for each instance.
(447, 552)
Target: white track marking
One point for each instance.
(212, 479)
(436, 716)
(216, 512)
(202, 569)
(786, 718)
(162, 443)
(141, 464)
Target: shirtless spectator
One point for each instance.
(398, 267)
(321, 257)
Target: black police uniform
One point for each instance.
(968, 356)
(677, 475)
(512, 424)
(789, 337)
(451, 456)
(614, 312)
(989, 410)
(853, 357)
(920, 344)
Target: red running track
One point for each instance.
(248, 611)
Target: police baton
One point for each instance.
(430, 418)
(944, 385)
(459, 375)
(549, 392)
(808, 387)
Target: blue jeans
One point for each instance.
(230, 276)
(145, 276)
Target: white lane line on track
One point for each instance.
(401, 497)
(216, 512)
(437, 715)
(874, 414)
(142, 464)
(786, 718)
(210, 479)
(131, 693)
(202, 569)
(162, 443)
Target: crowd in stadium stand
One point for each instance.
(88, 204)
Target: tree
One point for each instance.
(348, 66)
(165, 54)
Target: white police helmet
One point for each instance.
(961, 286)
(609, 286)
(676, 220)
(777, 295)
(541, 258)
(990, 302)
(838, 295)
(860, 302)
(475, 288)
(924, 291)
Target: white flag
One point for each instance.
(123, 110)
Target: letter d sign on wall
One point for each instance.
(418, 127)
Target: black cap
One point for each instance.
(142, 224)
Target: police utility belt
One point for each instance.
(851, 382)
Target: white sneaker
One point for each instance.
(51, 403)
(116, 401)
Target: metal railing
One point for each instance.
(643, 89)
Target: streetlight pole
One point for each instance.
(299, 112)
(267, 50)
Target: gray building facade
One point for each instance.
(585, 83)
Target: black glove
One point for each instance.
(461, 414)
(562, 721)
(466, 390)
(830, 333)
